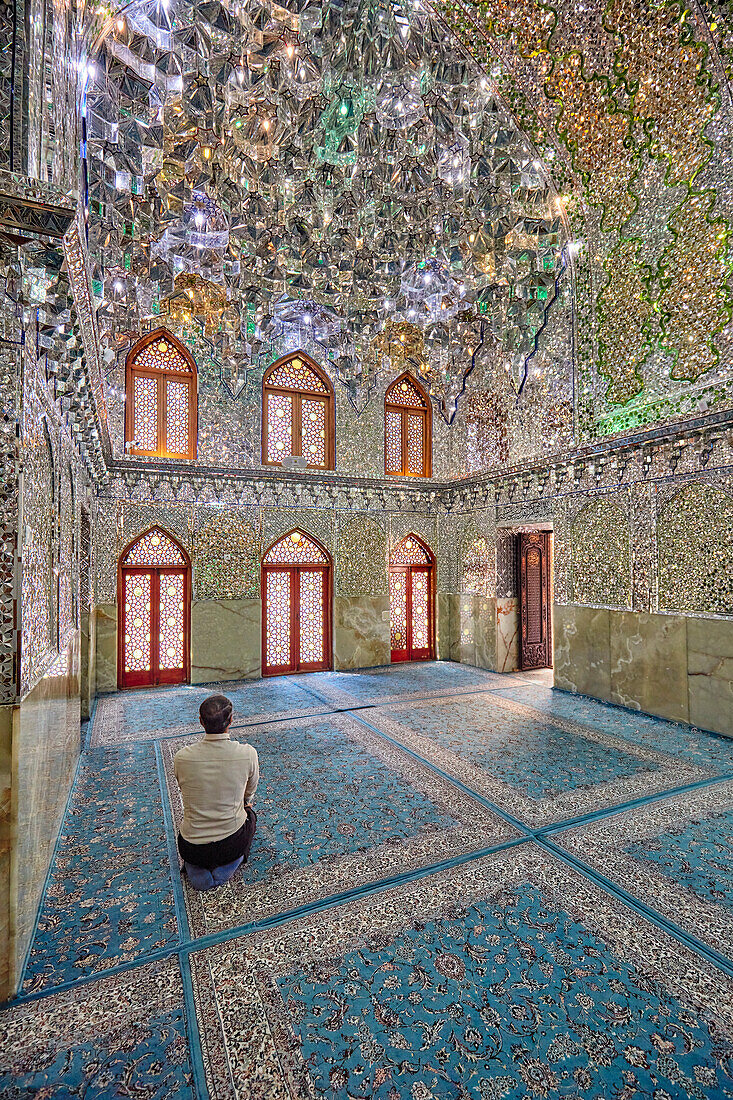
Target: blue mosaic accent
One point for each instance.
(680, 741)
(110, 897)
(323, 796)
(512, 1000)
(699, 857)
(404, 679)
(536, 758)
(152, 1062)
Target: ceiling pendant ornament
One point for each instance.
(323, 174)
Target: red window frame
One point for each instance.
(409, 652)
(296, 397)
(161, 378)
(155, 676)
(404, 411)
(326, 569)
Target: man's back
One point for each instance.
(216, 776)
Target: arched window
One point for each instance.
(296, 603)
(407, 429)
(161, 398)
(412, 600)
(154, 611)
(297, 413)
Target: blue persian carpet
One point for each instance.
(538, 770)
(122, 1036)
(675, 855)
(323, 796)
(148, 714)
(382, 942)
(110, 896)
(511, 978)
(679, 740)
(538, 758)
(337, 806)
(398, 681)
(511, 1001)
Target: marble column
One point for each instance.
(507, 634)
(649, 663)
(448, 634)
(582, 650)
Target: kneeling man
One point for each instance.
(218, 778)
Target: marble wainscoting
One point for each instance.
(88, 677)
(360, 631)
(447, 626)
(105, 631)
(582, 650)
(44, 739)
(507, 634)
(226, 640)
(675, 666)
(710, 673)
(478, 631)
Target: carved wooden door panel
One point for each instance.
(535, 649)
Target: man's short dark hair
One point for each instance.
(215, 713)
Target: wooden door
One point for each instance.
(535, 596)
(154, 627)
(411, 612)
(296, 620)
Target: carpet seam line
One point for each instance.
(213, 939)
(644, 910)
(541, 836)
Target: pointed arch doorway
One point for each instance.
(412, 601)
(154, 612)
(296, 606)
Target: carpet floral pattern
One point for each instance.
(684, 742)
(147, 715)
(110, 895)
(676, 854)
(538, 770)
(124, 1035)
(464, 886)
(338, 806)
(513, 977)
(392, 684)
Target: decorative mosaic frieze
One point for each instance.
(10, 351)
(39, 547)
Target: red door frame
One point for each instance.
(295, 571)
(408, 653)
(153, 678)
